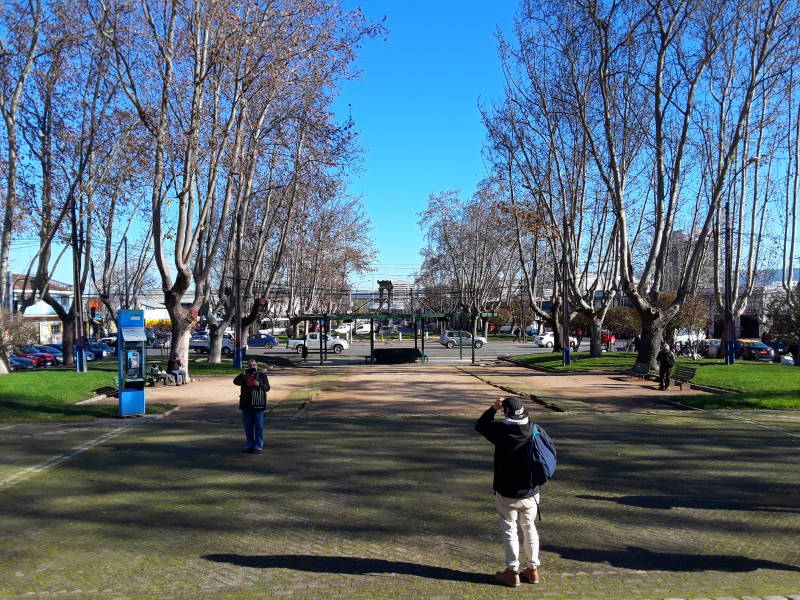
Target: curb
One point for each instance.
(99, 398)
(532, 397)
(648, 376)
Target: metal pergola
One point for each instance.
(417, 318)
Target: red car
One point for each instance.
(40, 359)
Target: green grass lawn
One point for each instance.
(760, 384)
(50, 394)
(613, 361)
(42, 395)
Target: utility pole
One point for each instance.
(237, 284)
(77, 301)
(127, 298)
(565, 349)
(729, 351)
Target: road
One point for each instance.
(433, 349)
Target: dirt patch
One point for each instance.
(381, 390)
(405, 390)
(215, 397)
(584, 392)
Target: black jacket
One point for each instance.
(512, 477)
(244, 391)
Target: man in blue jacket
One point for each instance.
(516, 501)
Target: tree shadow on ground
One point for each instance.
(642, 559)
(348, 565)
(669, 502)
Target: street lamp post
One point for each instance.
(238, 347)
(730, 326)
(566, 359)
(730, 357)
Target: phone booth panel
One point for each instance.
(131, 360)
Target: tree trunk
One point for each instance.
(652, 336)
(68, 341)
(181, 329)
(67, 319)
(555, 309)
(595, 330)
(215, 337)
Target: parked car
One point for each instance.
(688, 336)
(262, 340)
(753, 350)
(18, 363)
(492, 327)
(99, 349)
(29, 351)
(199, 343)
(362, 329)
(111, 340)
(547, 340)
(312, 342)
(506, 328)
(57, 354)
(343, 329)
(60, 347)
(710, 348)
(451, 339)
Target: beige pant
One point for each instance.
(522, 511)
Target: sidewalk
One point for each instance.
(386, 494)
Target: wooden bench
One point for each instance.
(106, 390)
(154, 375)
(683, 374)
(639, 370)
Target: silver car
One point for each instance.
(451, 339)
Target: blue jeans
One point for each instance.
(253, 421)
(178, 374)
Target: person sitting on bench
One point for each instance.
(175, 368)
(157, 374)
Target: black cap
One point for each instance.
(513, 406)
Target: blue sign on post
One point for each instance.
(131, 355)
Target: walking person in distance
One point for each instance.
(254, 385)
(516, 501)
(666, 360)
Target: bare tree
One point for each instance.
(540, 153)
(68, 102)
(189, 72)
(784, 309)
(467, 244)
(20, 24)
(640, 78)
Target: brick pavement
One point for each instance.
(665, 504)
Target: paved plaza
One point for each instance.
(373, 484)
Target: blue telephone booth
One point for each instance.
(131, 355)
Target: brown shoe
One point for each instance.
(531, 575)
(507, 577)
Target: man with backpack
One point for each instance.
(666, 360)
(516, 498)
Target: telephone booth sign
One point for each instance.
(131, 355)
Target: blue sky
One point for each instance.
(416, 107)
